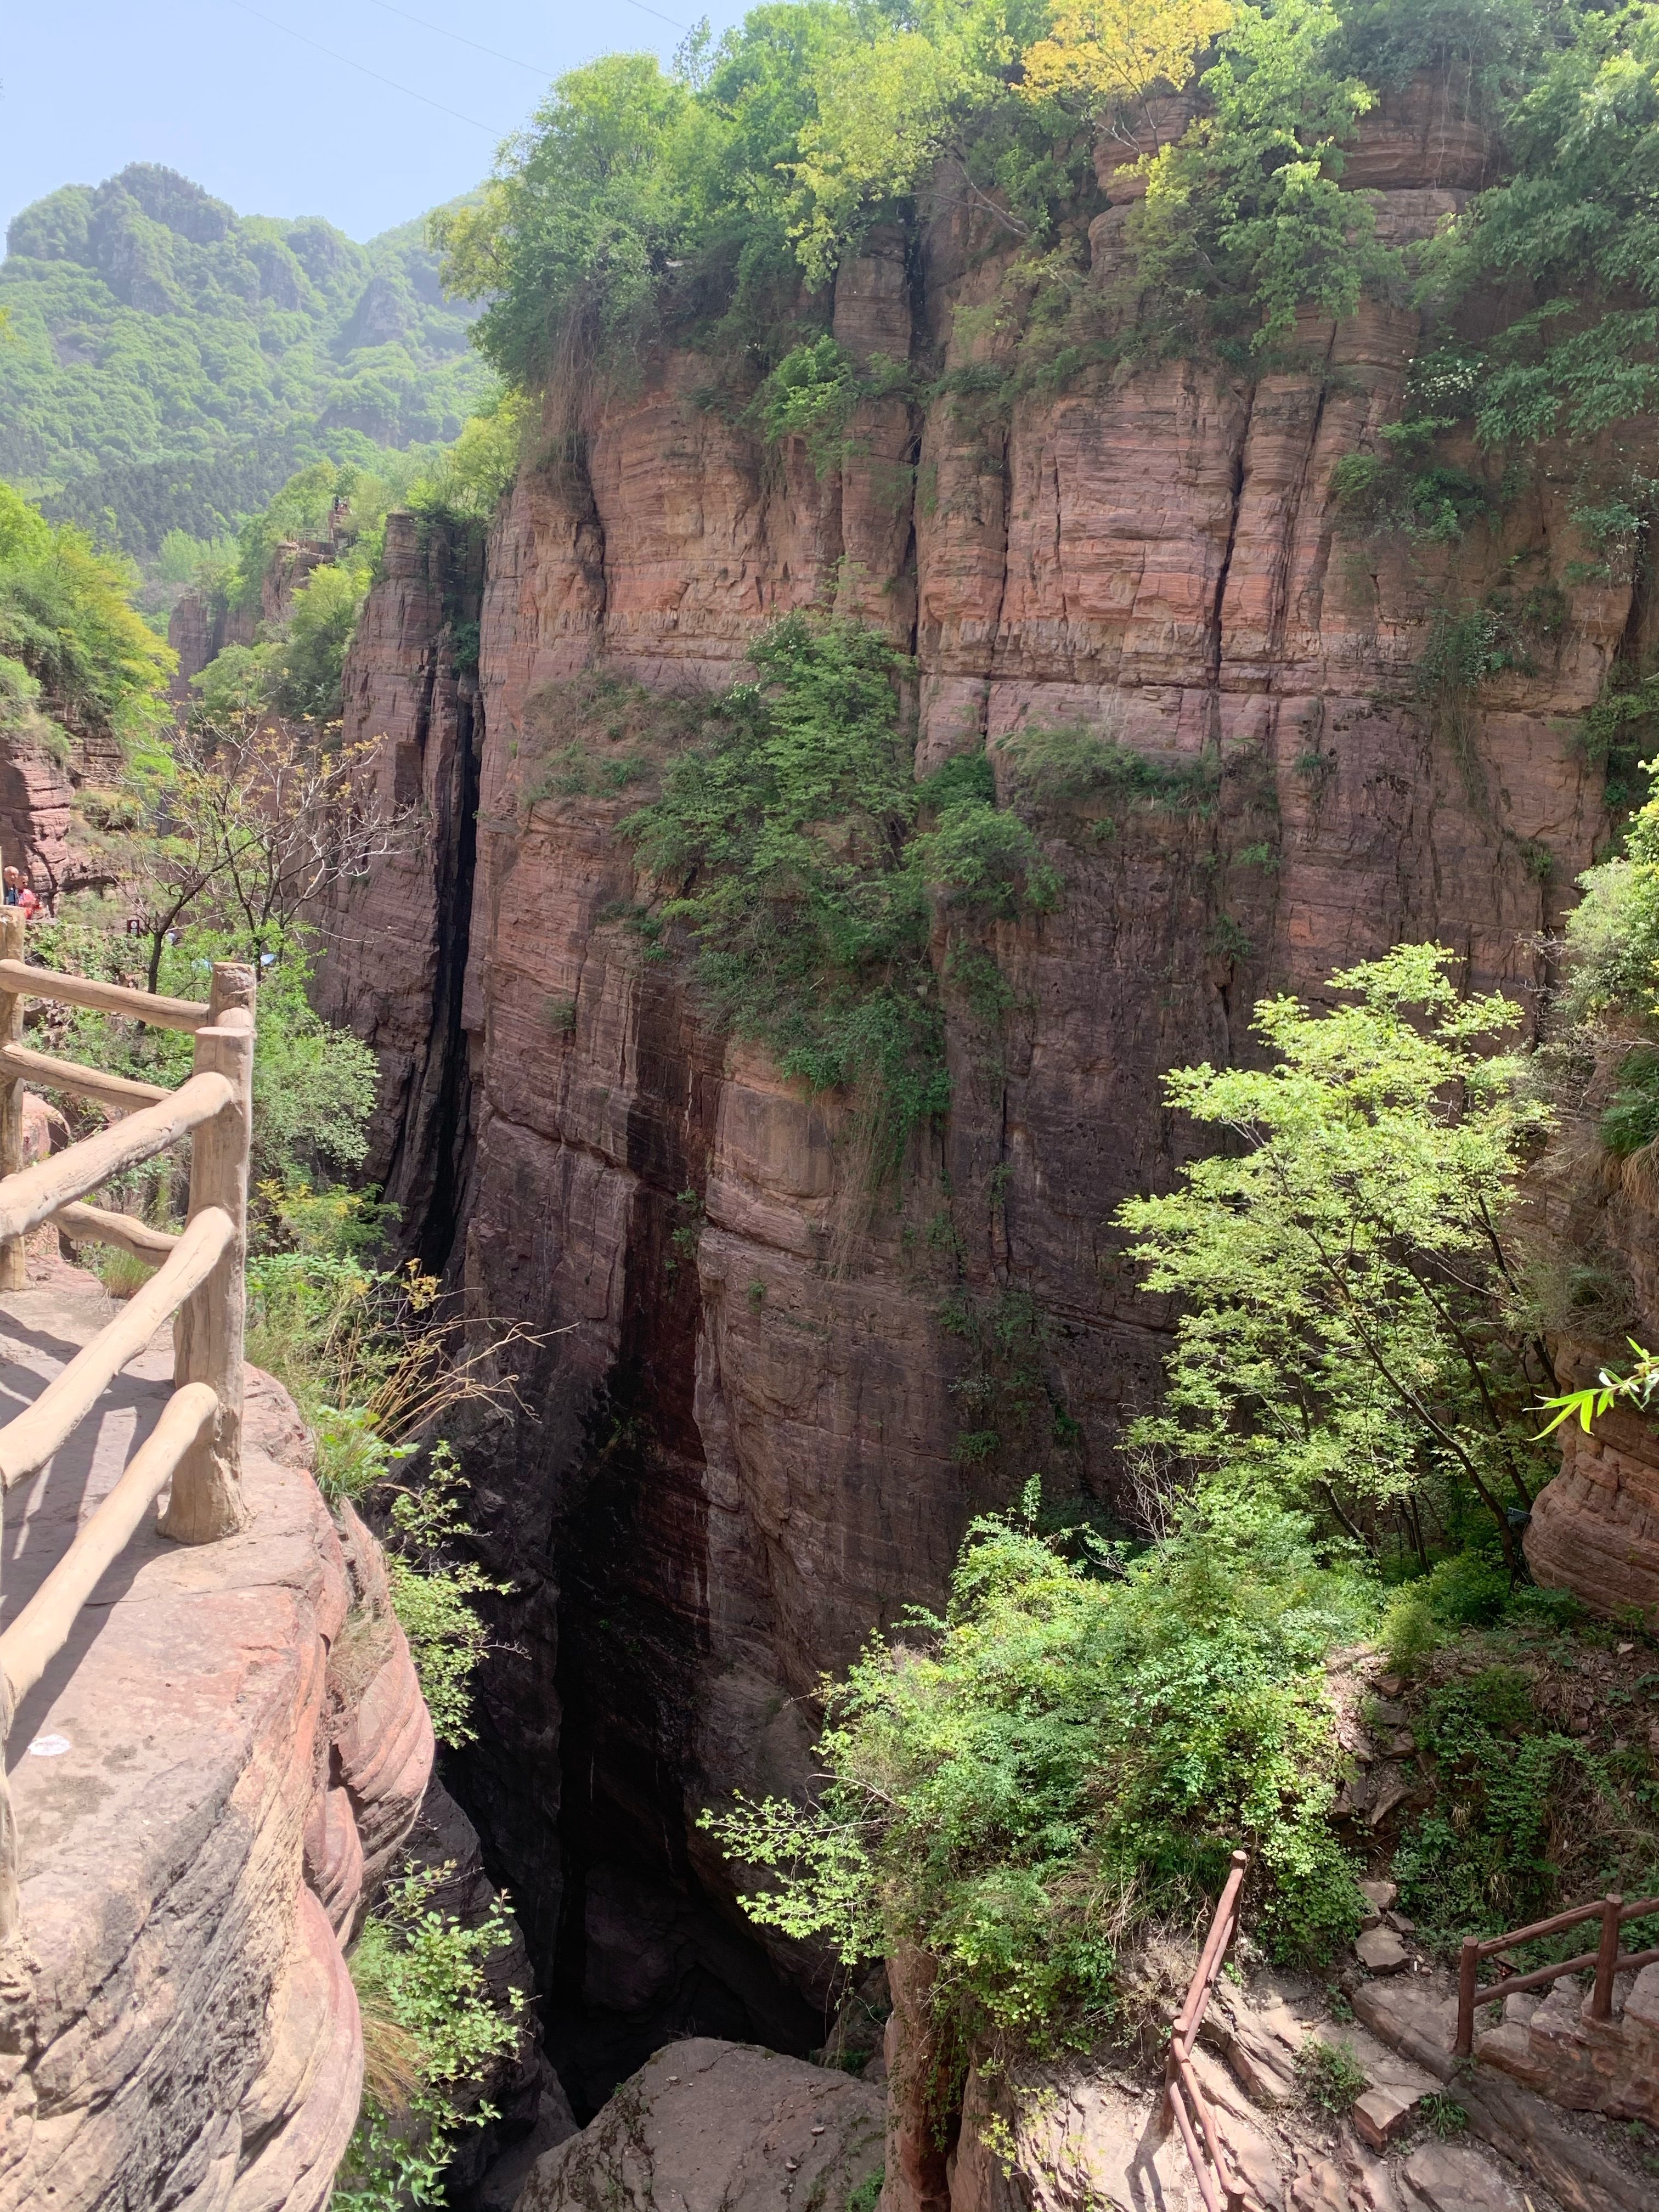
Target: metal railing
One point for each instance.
(1184, 2100)
(1608, 1960)
(199, 1284)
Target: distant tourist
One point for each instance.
(18, 893)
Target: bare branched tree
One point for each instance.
(264, 816)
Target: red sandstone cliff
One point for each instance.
(740, 1451)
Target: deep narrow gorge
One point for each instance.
(739, 1448)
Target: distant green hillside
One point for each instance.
(168, 364)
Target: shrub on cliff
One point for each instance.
(432, 2029)
(794, 848)
(1613, 935)
(1349, 1339)
(1068, 1756)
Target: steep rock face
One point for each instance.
(1594, 1530)
(35, 799)
(395, 951)
(207, 1784)
(198, 629)
(740, 1444)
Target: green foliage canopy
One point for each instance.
(638, 199)
(1018, 1787)
(70, 640)
(1343, 1282)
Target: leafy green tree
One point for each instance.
(1245, 220)
(1020, 1787)
(1571, 230)
(66, 616)
(1346, 1334)
(465, 484)
(636, 193)
(1613, 935)
(1111, 52)
(320, 631)
(570, 240)
(433, 1589)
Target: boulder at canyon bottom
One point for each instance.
(706, 2126)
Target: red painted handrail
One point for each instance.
(1183, 2096)
(1607, 1959)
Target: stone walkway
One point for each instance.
(176, 2023)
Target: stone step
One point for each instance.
(1581, 2159)
(1584, 2065)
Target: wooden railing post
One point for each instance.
(9, 1900)
(1469, 1977)
(232, 990)
(14, 1254)
(1606, 1958)
(206, 1501)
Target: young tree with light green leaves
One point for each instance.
(1348, 1336)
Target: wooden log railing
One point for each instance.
(1184, 2101)
(1606, 1958)
(199, 1284)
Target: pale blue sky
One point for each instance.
(226, 91)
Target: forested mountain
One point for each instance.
(169, 363)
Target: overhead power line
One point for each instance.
(495, 52)
(660, 17)
(362, 69)
(536, 69)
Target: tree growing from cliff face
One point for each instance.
(1020, 1788)
(1109, 52)
(1347, 1335)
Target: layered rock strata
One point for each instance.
(396, 949)
(737, 1448)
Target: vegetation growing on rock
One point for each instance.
(1071, 1751)
(790, 846)
(432, 2026)
(74, 657)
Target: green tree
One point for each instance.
(1072, 1751)
(1346, 1332)
(66, 616)
(570, 240)
(1245, 220)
